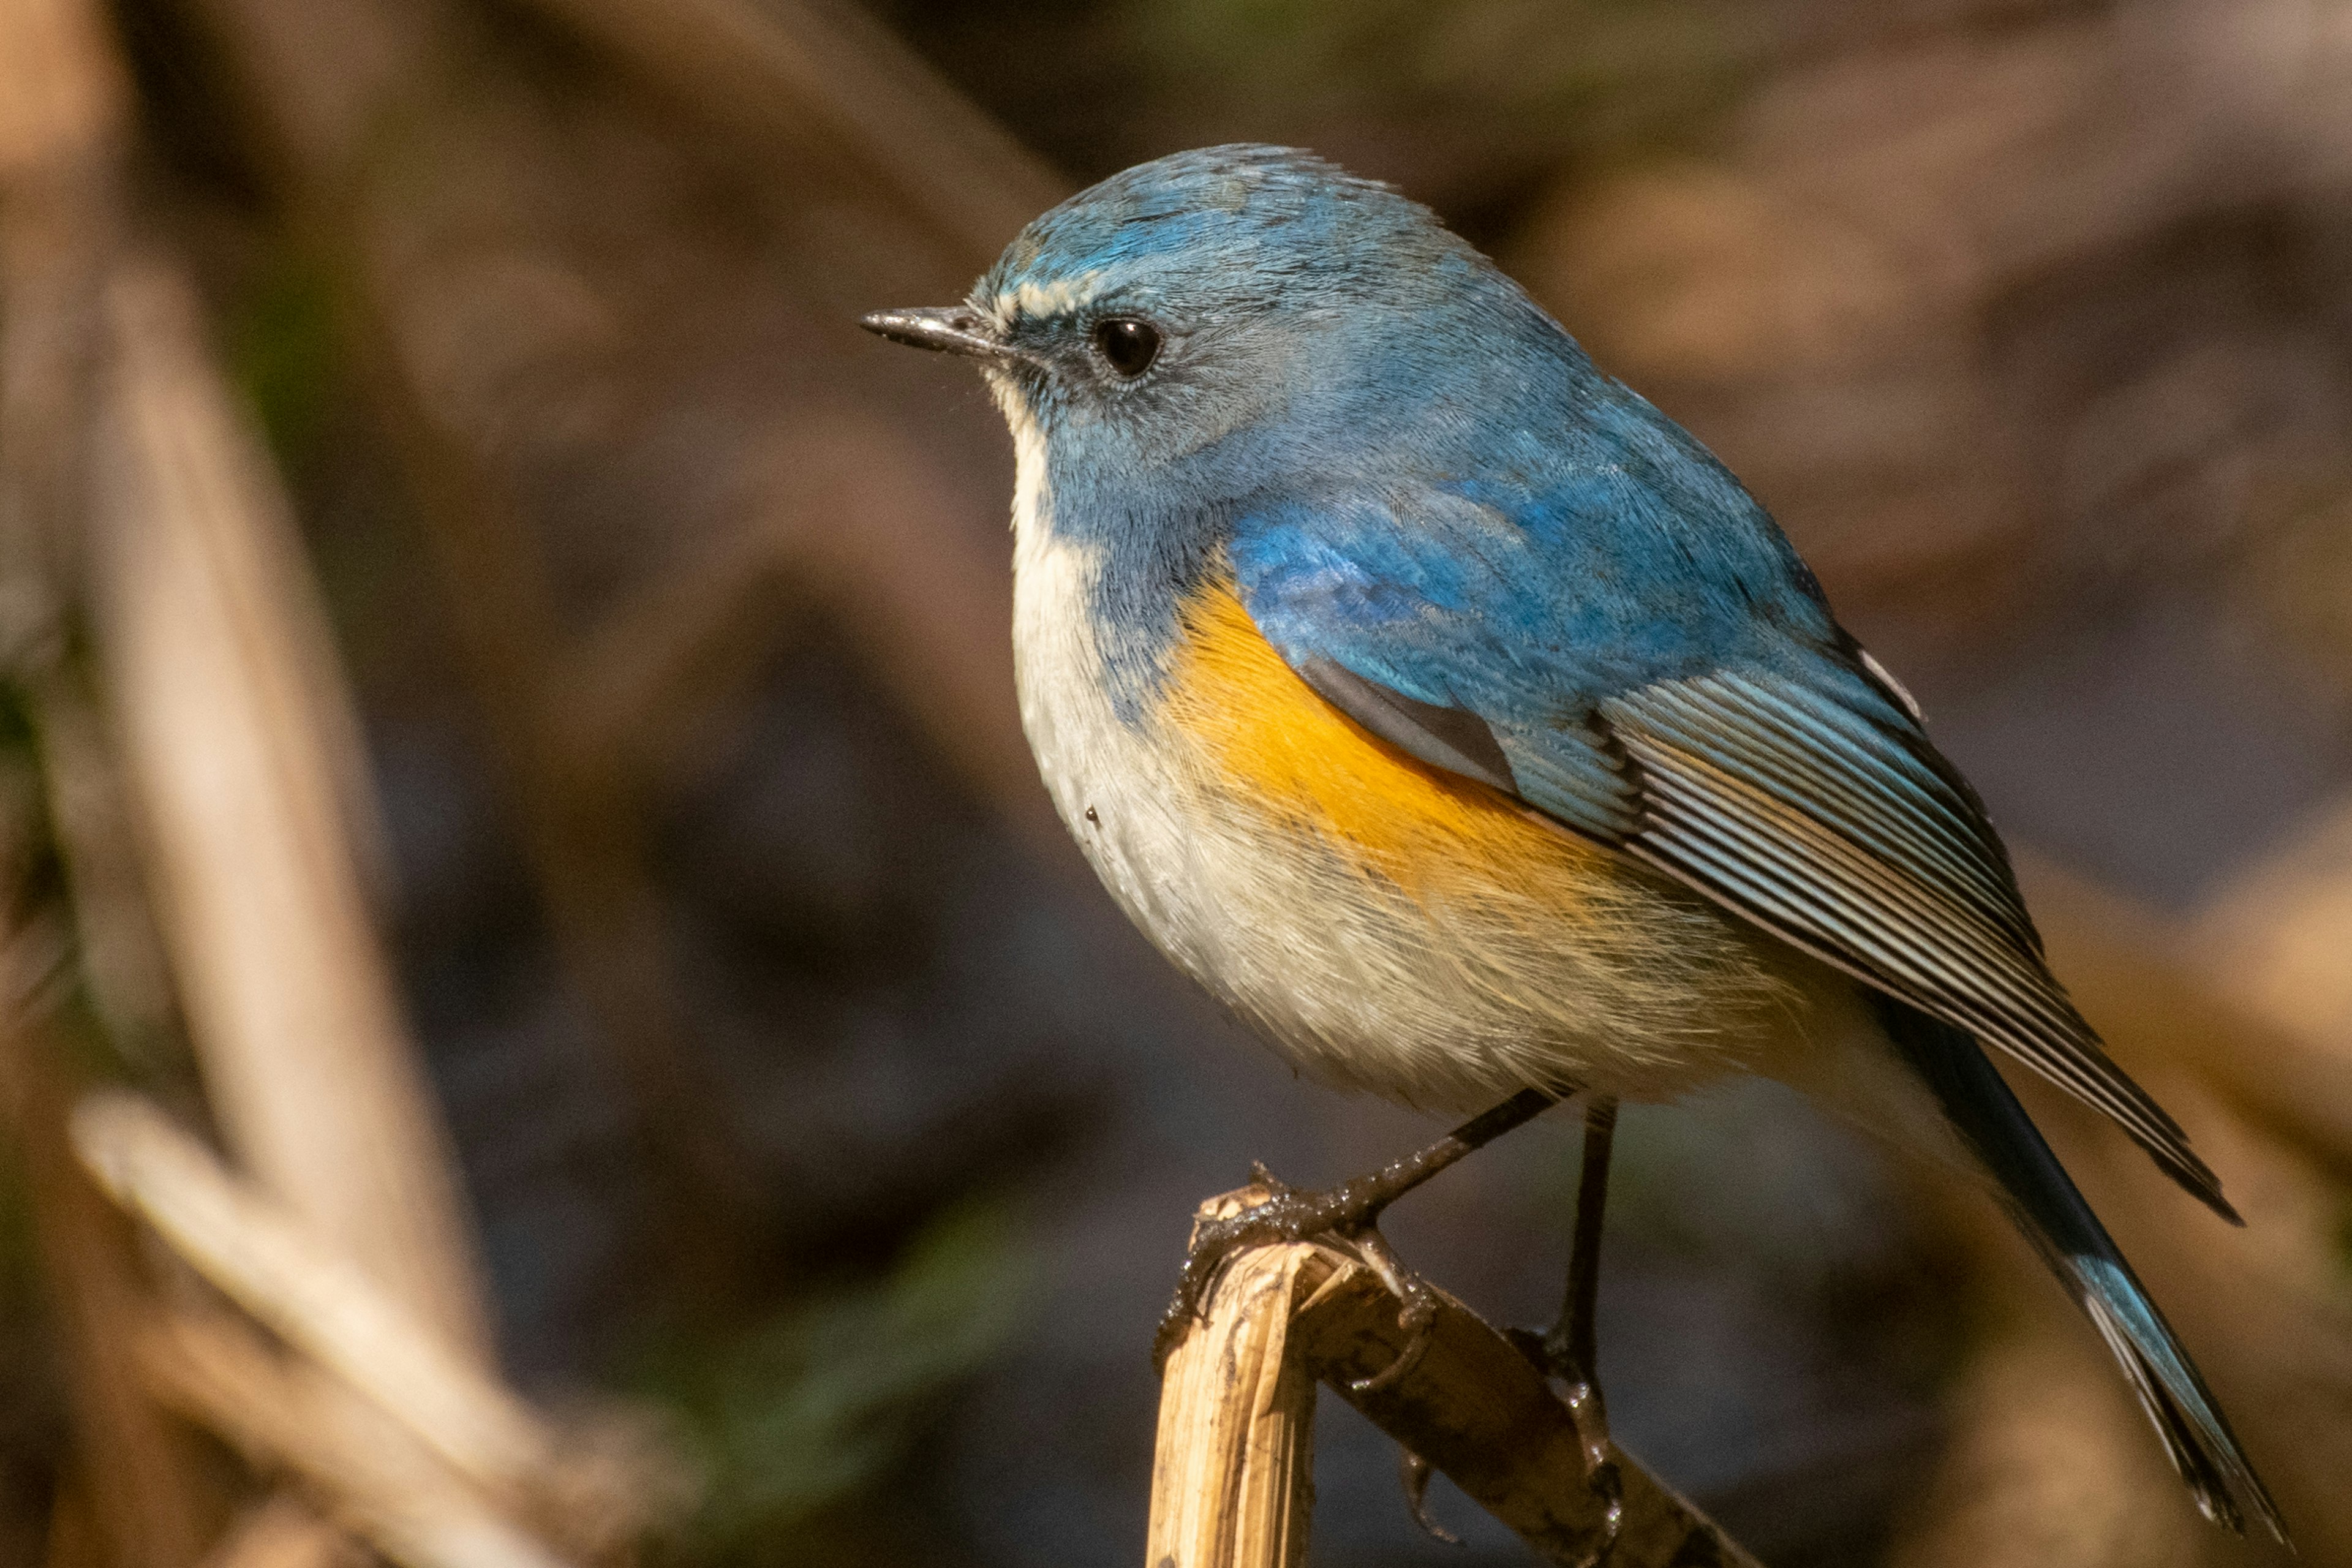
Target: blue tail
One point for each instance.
(2042, 1198)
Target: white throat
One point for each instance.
(1112, 788)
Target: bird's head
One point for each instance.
(1216, 310)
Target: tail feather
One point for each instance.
(2053, 1215)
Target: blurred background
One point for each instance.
(508, 781)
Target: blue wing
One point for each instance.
(1651, 665)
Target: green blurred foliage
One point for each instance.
(1476, 106)
(800, 1412)
(284, 352)
(1752, 1173)
(1518, 59)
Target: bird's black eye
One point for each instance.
(1128, 344)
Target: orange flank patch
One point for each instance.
(1279, 744)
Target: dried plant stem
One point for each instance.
(1231, 1481)
(257, 1255)
(1233, 1485)
(128, 1447)
(383, 1486)
(229, 705)
(430, 1436)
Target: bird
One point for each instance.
(1464, 725)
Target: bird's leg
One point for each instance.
(1350, 1212)
(1570, 1350)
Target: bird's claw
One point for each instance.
(1416, 1313)
(1414, 1473)
(1589, 1413)
(1287, 1214)
(1346, 1215)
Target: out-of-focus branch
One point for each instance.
(62, 123)
(832, 92)
(1233, 1427)
(223, 1375)
(318, 1303)
(128, 1449)
(209, 642)
(63, 120)
(476, 1438)
(864, 532)
(244, 753)
(120, 441)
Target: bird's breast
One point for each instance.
(1387, 926)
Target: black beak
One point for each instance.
(948, 329)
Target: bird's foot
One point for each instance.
(1416, 1311)
(1347, 1215)
(1579, 1391)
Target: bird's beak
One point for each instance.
(948, 329)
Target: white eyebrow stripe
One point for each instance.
(1058, 298)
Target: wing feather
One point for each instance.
(1861, 878)
(1940, 836)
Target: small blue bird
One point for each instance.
(1464, 725)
